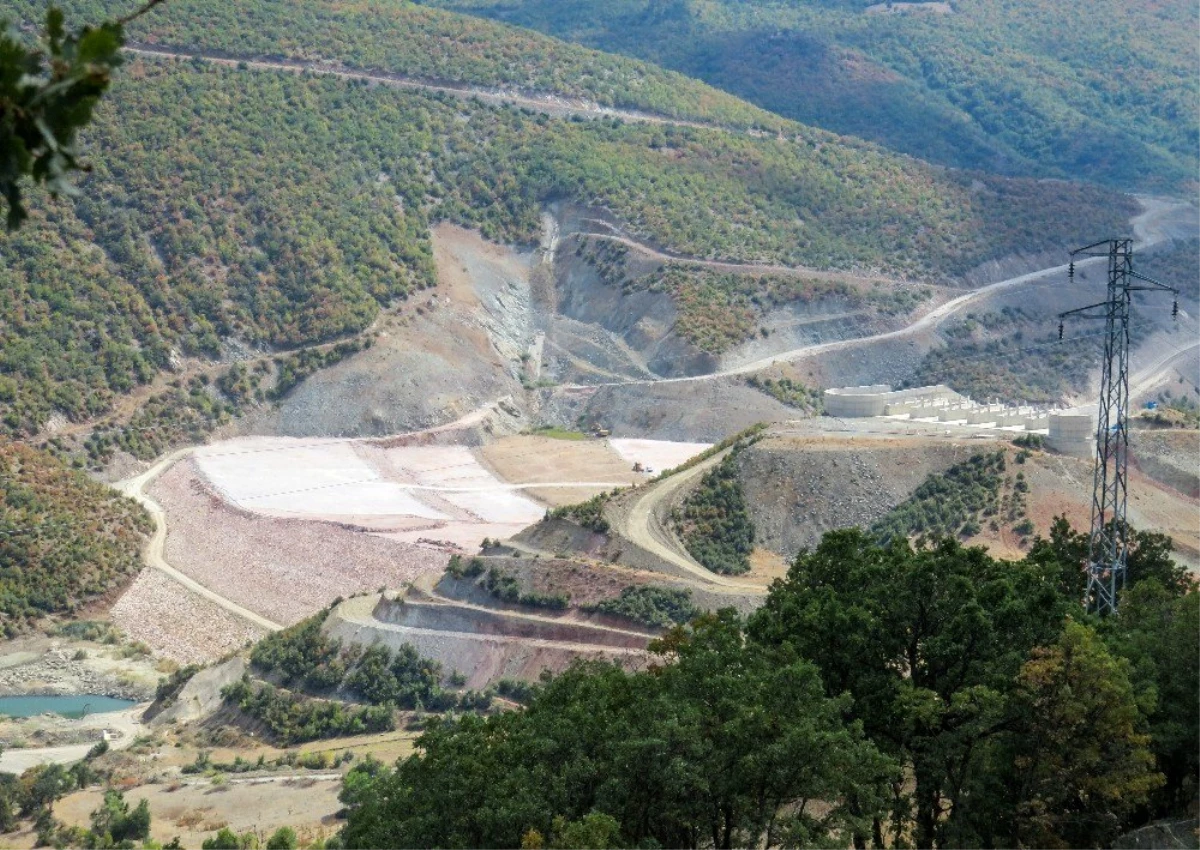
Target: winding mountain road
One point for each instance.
(135, 488)
(550, 103)
(643, 521)
(1148, 228)
(1150, 376)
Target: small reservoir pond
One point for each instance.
(73, 706)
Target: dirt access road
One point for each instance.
(1149, 377)
(643, 522)
(135, 488)
(125, 726)
(1149, 229)
(552, 104)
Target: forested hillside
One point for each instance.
(63, 539)
(1104, 90)
(282, 210)
(401, 38)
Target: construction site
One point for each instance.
(1067, 431)
(270, 524)
(492, 478)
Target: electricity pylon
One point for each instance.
(1108, 543)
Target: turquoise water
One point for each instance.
(68, 706)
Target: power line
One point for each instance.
(1108, 542)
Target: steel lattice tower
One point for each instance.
(1108, 542)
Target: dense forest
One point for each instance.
(925, 695)
(1103, 91)
(64, 540)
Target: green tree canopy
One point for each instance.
(929, 643)
(1082, 763)
(47, 95)
(723, 747)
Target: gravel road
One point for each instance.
(122, 726)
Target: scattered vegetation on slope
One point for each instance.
(1174, 411)
(187, 412)
(1011, 356)
(1176, 263)
(948, 503)
(303, 657)
(310, 677)
(507, 588)
(713, 521)
(661, 607)
(1098, 90)
(64, 540)
(589, 514)
(294, 718)
(792, 393)
(720, 309)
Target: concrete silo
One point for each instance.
(1073, 433)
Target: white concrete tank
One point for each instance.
(1073, 434)
(857, 401)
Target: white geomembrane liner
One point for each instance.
(251, 469)
(372, 498)
(441, 466)
(497, 506)
(334, 478)
(657, 454)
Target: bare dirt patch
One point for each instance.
(543, 460)
(195, 812)
(658, 455)
(1169, 457)
(798, 487)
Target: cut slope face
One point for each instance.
(485, 646)
(458, 350)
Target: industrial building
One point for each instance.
(875, 400)
(1070, 432)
